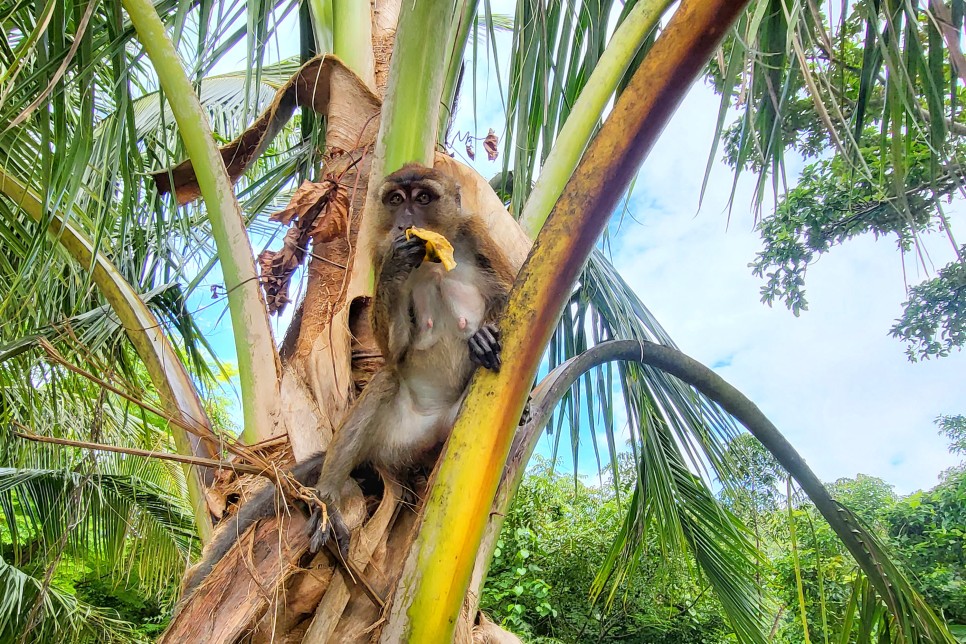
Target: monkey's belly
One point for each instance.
(415, 425)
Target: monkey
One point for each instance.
(432, 326)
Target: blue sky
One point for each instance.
(833, 380)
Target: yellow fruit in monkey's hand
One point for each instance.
(438, 248)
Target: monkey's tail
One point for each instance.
(263, 505)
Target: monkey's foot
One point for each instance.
(319, 532)
(485, 347)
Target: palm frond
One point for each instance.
(106, 125)
(120, 521)
(554, 48)
(32, 610)
(673, 431)
(869, 88)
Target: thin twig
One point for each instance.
(356, 576)
(194, 428)
(167, 456)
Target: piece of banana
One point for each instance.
(438, 248)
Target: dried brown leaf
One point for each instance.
(274, 279)
(490, 145)
(469, 150)
(307, 196)
(318, 212)
(331, 223)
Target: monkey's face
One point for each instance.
(417, 196)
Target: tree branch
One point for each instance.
(167, 456)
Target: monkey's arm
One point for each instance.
(391, 320)
(498, 274)
(263, 505)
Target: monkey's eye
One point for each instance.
(423, 198)
(395, 199)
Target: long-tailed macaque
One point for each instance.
(433, 327)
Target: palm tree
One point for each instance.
(96, 308)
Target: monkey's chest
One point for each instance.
(445, 305)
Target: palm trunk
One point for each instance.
(328, 356)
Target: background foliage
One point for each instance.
(556, 536)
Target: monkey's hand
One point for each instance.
(405, 254)
(485, 347)
(319, 534)
(526, 416)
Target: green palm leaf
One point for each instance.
(673, 432)
(52, 614)
(121, 520)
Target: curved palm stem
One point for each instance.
(175, 388)
(916, 618)
(258, 366)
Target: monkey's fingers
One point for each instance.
(525, 416)
(318, 533)
(341, 532)
(478, 354)
(438, 248)
(318, 540)
(485, 347)
(405, 249)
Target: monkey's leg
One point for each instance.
(351, 446)
(485, 347)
